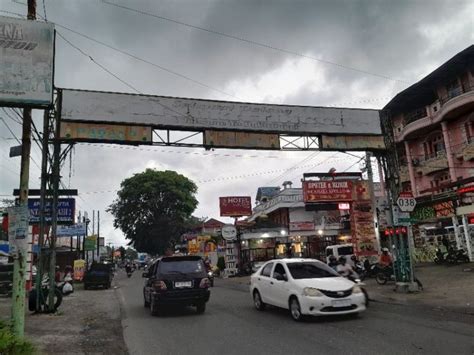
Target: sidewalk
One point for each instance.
(88, 322)
(444, 287)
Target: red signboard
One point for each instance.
(235, 206)
(465, 190)
(318, 191)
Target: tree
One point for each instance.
(153, 208)
(122, 252)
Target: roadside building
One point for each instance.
(433, 131)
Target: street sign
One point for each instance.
(406, 202)
(229, 232)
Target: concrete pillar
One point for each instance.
(411, 170)
(449, 152)
(456, 231)
(468, 238)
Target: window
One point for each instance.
(266, 271)
(181, 266)
(310, 270)
(279, 269)
(453, 88)
(469, 131)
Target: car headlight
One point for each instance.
(312, 292)
(356, 289)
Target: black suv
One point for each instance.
(176, 280)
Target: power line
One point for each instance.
(249, 41)
(97, 63)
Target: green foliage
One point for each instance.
(131, 253)
(221, 263)
(152, 209)
(122, 252)
(12, 345)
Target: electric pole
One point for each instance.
(19, 263)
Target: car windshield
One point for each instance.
(181, 266)
(309, 270)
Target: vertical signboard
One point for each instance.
(363, 229)
(26, 62)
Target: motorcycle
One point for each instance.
(360, 270)
(356, 279)
(386, 274)
(455, 256)
(210, 276)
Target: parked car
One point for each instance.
(98, 275)
(305, 287)
(176, 280)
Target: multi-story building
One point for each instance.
(433, 130)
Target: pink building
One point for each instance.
(433, 127)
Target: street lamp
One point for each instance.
(320, 232)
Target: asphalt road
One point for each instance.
(232, 326)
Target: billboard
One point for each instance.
(66, 210)
(72, 230)
(235, 206)
(26, 62)
(321, 191)
(363, 229)
(198, 115)
(100, 132)
(358, 142)
(225, 139)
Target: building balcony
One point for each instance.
(431, 164)
(457, 102)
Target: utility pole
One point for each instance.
(19, 263)
(98, 236)
(370, 175)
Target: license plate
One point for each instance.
(179, 284)
(341, 303)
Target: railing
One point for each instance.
(435, 155)
(415, 115)
(455, 92)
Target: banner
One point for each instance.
(235, 206)
(26, 62)
(79, 269)
(18, 229)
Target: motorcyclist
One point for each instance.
(333, 262)
(345, 269)
(128, 268)
(385, 259)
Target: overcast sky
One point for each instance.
(390, 44)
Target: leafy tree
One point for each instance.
(153, 208)
(122, 252)
(131, 253)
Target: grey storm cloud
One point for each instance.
(398, 39)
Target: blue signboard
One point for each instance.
(66, 210)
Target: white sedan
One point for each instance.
(305, 287)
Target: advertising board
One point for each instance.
(101, 132)
(193, 114)
(66, 209)
(320, 191)
(18, 236)
(26, 62)
(90, 243)
(71, 230)
(235, 206)
(363, 228)
(302, 226)
(225, 139)
(359, 142)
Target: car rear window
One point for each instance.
(181, 266)
(310, 271)
(345, 250)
